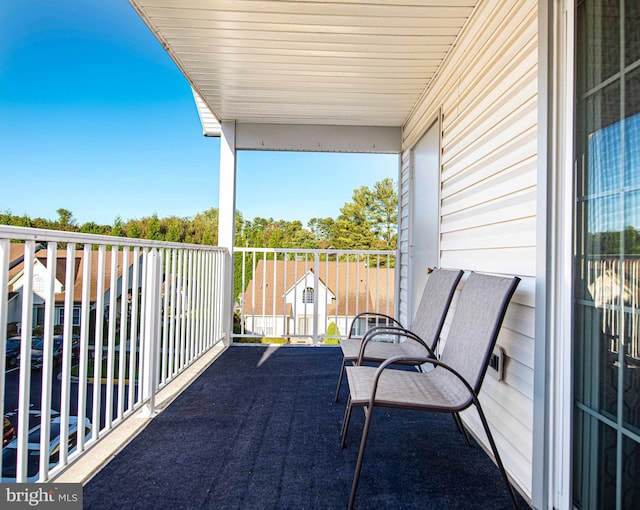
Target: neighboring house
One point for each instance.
(284, 296)
(17, 282)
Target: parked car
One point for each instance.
(38, 343)
(8, 432)
(10, 452)
(12, 355)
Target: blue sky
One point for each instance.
(96, 118)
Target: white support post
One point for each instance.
(226, 218)
(316, 295)
(151, 332)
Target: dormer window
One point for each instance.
(38, 283)
(307, 295)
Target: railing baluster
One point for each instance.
(97, 346)
(47, 360)
(183, 311)
(4, 304)
(25, 363)
(133, 336)
(172, 314)
(67, 350)
(166, 295)
(111, 337)
(84, 343)
(122, 345)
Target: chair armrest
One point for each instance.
(392, 330)
(370, 314)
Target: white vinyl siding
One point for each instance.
(487, 92)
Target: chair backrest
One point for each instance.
(476, 323)
(434, 304)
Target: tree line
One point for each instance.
(367, 222)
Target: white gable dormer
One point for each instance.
(39, 283)
(304, 291)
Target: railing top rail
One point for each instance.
(44, 235)
(313, 251)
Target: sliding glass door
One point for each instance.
(606, 293)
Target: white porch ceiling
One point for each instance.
(355, 62)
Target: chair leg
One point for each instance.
(363, 444)
(498, 460)
(344, 361)
(345, 423)
(461, 429)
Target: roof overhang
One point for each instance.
(354, 64)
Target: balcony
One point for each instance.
(209, 424)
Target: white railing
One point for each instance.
(308, 296)
(102, 323)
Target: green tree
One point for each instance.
(66, 221)
(118, 229)
(369, 220)
(93, 228)
(154, 228)
(6, 218)
(322, 229)
(383, 212)
(204, 228)
(175, 229)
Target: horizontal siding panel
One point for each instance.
(517, 205)
(520, 317)
(517, 346)
(487, 114)
(508, 398)
(500, 137)
(519, 376)
(520, 177)
(476, 92)
(520, 232)
(515, 26)
(522, 148)
(513, 445)
(525, 292)
(514, 261)
(507, 82)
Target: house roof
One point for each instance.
(17, 251)
(354, 284)
(355, 62)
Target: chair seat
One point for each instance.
(380, 351)
(435, 390)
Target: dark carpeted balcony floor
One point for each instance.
(259, 429)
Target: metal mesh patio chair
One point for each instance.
(420, 341)
(454, 383)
